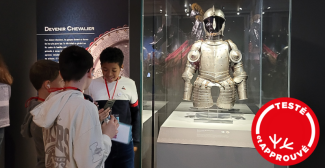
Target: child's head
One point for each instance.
(76, 64)
(111, 62)
(44, 74)
(5, 76)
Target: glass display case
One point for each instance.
(207, 67)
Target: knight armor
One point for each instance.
(212, 58)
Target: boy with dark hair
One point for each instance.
(43, 74)
(124, 91)
(73, 135)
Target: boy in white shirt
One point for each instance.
(73, 135)
(123, 90)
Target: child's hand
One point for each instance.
(96, 103)
(110, 128)
(103, 114)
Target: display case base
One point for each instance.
(185, 143)
(203, 156)
(146, 145)
(213, 117)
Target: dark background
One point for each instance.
(307, 66)
(18, 47)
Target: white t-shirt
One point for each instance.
(126, 104)
(125, 90)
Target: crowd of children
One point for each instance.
(66, 119)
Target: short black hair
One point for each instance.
(74, 63)
(43, 70)
(112, 55)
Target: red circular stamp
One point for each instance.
(285, 131)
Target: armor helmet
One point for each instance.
(214, 22)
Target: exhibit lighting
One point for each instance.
(268, 7)
(240, 8)
(238, 13)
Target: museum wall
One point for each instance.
(135, 34)
(307, 66)
(18, 47)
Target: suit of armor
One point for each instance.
(213, 58)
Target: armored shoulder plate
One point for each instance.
(232, 45)
(195, 54)
(234, 55)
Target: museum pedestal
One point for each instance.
(146, 148)
(185, 143)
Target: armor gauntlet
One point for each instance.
(187, 76)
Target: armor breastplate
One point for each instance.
(214, 63)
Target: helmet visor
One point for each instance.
(213, 24)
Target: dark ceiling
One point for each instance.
(177, 7)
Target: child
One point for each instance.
(123, 90)
(43, 74)
(5, 93)
(73, 135)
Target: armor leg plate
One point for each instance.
(227, 96)
(202, 94)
